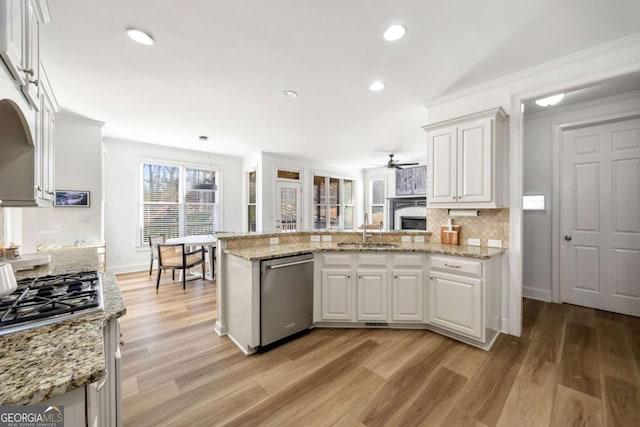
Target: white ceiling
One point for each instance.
(218, 68)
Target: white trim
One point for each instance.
(538, 294)
(516, 231)
(610, 48)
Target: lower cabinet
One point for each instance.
(456, 304)
(372, 294)
(407, 296)
(337, 291)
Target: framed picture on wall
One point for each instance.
(71, 199)
(411, 181)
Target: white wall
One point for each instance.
(78, 166)
(267, 168)
(538, 179)
(122, 189)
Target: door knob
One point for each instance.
(568, 238)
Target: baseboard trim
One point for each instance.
(536, 293)
(133, 268)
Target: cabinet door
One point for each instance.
(474, 162)
(441, 165)
(372, 294)
(48, 149)
(12, 37)
(456, 304)
(407, 296)
(31, 59)
(337, 291)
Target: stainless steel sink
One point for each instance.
(371, 245)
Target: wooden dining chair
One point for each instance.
(174, 256)
(153, 247)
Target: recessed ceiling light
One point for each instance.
(140, 36)
(395, 32)
(376, 86)
(290, 94)
(550, 100)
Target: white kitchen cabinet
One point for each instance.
(465, 161)
(20, 43)
(464, 298)
(456, 304)
(337, 293)
(45, 143)
(407, 295)
(372, 294)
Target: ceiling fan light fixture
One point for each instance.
(394, 32)
(376, 86)
(550, 100)
(140, 36)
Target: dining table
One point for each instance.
(208, 240)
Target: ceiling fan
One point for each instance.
(395, 164)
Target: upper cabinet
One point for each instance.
(20, 43)
(465, 161)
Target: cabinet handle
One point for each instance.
(38, 188)
(395, 277)
(26, 71)
(452, 266)
(453, 197)
(50, 192)
(430, 277)
(359, 277)
(348, 276)
(34, 82)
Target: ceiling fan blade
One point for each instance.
(408, 164)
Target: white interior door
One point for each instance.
(288, 206)
(600, 211)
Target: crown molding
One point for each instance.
(615, 47)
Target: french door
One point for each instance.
(288, 206)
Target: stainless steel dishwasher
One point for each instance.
(286, 299)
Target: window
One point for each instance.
(251, 201)
(332, 203)
(177, 201)
(376, 198)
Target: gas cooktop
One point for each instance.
(50, 299)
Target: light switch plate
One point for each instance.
(315, 238)
(473, 242)
(418, 239)
(494, 243)
(274, 240)
(326, 238)
(406, 239)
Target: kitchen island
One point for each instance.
(393, 280)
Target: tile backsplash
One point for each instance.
(490, 224)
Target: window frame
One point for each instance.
(341, 205)
(370, 204)
(182, 192)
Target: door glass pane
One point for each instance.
(334, 191)
(377, 214)
(377, 192)
(348, 217)
(288, 209)
(348, 192)
(252, 187)
(319, 217)
(252, 218)
(319, 190)
(334, 211)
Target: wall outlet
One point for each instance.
(405, 239)
(494, 243)
(315, 238)
(473, 242)
(274, 240)
(418, 239)
(326, 238)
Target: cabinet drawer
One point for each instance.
(337, 259)
(457, 265)
(408, 260)
(369, 260)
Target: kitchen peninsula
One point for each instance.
(394, 279)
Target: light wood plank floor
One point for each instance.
(572, 366)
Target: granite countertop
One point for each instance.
(276, 251)
(253, 234)
(38, 363)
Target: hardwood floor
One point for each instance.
(572, 366)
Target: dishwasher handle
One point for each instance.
(289, 264)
